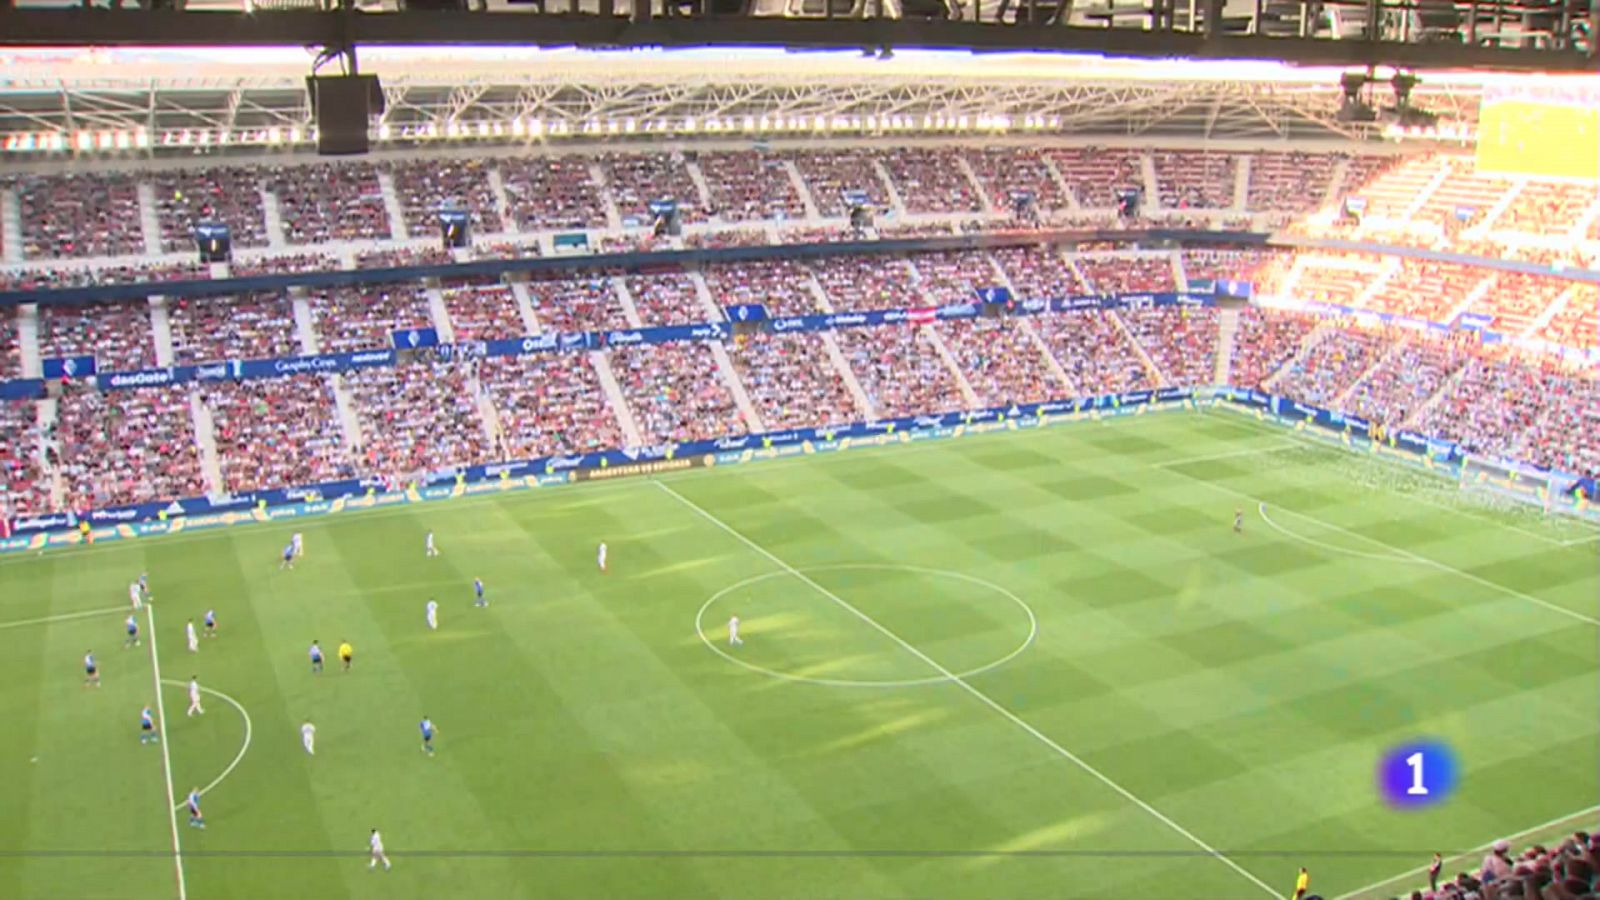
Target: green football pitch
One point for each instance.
(1030, 664)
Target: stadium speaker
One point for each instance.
(343, 107)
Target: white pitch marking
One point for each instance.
(1033, 631)
(64, 617)
(243, 749)
(980, 696)
(1324, 545)
(1419, 870)
(166, 756)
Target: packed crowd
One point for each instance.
(931, 180)
(676, 393)
(416, 417)
(275, 432)
(552, 192)
(1290, 182)
(637, 179)
(1009, 174)
(953, 276)
(749, 186)
(1195, 180)
(900, 370)
(484, 312)
(792, 381)
(1331, 366)
(667, 298)
(77, 214)
(1094, 353)
(1567, 870)
(365, 316)
(549, 405)
(427, 186)
(572, 305)
(24, 482)
(252, 326)
(229, 195)
(125, 447)
(855, 283)
(1405, 380)
(1180, 340)
(118, 335)
(324, 202)
(1128, 274)
(1095, 174)
(1038, 273)
(831, 174)
(781, 285)
(1264, 342)
(1001, 361)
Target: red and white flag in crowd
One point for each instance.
(923, 316)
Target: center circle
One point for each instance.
(1033, 626)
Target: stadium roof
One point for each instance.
(139, 99)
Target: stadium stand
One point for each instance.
(24, 485)
(1121, 274)
(636, 179)
(274, 432)
(483, 312)
(393, 257)
(227, 194)
(749, 186)
(1095, 174)
(1094, 353)
(675, 393)
(1180, 340)
(792, 381)
(901, 372)
(1265, 341)
(1038, 273)
(1547, 209)
(1290, 182)
(549, 405)
(416, 417)
(254, 326)
(283, 265)
(830, 174)
(426, 186)
(552, 192)
(117, 335)
(573, 305)
(330, 202)
(10, 349)
(666, 298)
(1577, 322)
(126, 447)
(952, 276)
(1403, 381)
(855, 283)
(365, 317)
(779, 285)
(1004, 171)
(1426, 290)
(1235, 264)
(1001, 362)
(1516, 300)
(1331, 366)
(79, 215)
(1195, 180)
(931, 180)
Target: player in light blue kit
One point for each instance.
(91, 672)
(133, 633)
(147, 727)
(211, 623)
(316, 657)
(288, 557)
(477, 588)
(196, 820)
(428, 731)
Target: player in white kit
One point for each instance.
(433, 614)
(733, 632)
(600, 556)
(135, 595)
(378, 856)
(194, 639)
(308, 737)
(432, 550)
(298, 543)
(194, 697)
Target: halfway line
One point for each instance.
(64, 617)
(166, 757)
(962, 683)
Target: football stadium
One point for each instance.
(800, 451)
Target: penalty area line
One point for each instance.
(166, 756)
(976, 694)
